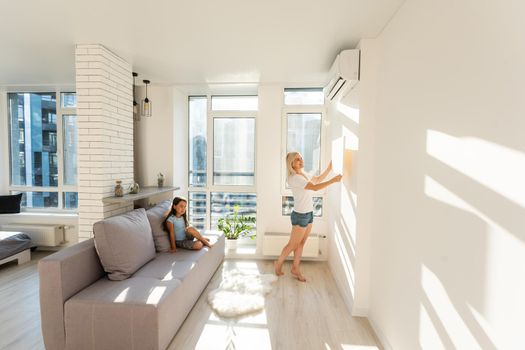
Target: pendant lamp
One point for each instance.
(145, 109)
(136, 115)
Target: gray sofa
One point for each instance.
(82, 308)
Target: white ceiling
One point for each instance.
(187, 42)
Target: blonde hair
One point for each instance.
(289, 162)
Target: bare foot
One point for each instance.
(206, 242)
(278, 271)
(298, 275)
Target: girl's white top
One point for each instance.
(302, 198)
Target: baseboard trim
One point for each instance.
(382, 338)
(360, 312)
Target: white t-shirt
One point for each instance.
(302, 198)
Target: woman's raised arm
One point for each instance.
(318, 179)
(319, 186)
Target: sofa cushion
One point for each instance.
(122, 314)
(156, 217)
(169, 266)
(124, 243)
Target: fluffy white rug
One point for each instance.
(240, 293)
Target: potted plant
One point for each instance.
(160, 180)
(235, 226)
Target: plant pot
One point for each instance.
(231, 244)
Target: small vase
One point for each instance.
(134, 189)
(160, 181)
(119, 190)
(231, 244)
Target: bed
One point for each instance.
(15, 246)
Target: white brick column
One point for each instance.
(104, 87)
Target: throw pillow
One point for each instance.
(10, 204)
(156, 216)
(124, 243)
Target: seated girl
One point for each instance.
(181, 234)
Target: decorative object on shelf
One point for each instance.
(119, 190)
(145, 109)
(160, 180)
(134, 189)
(145, 192)
(235, 226)
(136, 114)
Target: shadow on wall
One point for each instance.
(343, 199)
(465, 228)
(473, 182)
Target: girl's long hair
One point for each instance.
(289, 161)
(171, 212)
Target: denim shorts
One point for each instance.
(302, 219)
(186, 243)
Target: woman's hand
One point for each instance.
(337, 178)
(329, 167)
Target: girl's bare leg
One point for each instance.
(297, 253)
(192, 231)
(295, 238)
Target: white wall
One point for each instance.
(269, 209)
(160, 142)
(448, 249)
(352, 129)
(269, 161)
(180, 141)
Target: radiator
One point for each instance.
(274, 242)
(41, 235)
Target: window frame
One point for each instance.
(210, 151)
(60, 189)
(302, 109)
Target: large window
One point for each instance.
(302, 132)
(234, 151)
(303, 96)
(43, 149)
(198, 112)
(222, 135)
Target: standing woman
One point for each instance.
(303, 212)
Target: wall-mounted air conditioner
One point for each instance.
(344, 74)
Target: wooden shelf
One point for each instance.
(145, 192)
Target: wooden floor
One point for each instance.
(19, 305)
(297, 315)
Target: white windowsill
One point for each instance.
(31, 214)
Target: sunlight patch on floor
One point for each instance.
(249, 332)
